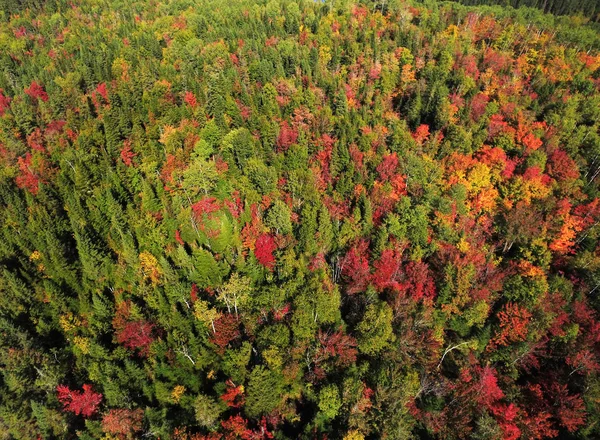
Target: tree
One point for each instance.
(329, 401)
(355, 267)
(279, 218)
(264, 392)
(36, 91)
(265, 245)
(83, 403)
(374, 332)
(236, 292)
(122, 422)
(207, 411)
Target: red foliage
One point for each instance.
(122, 422)
(245, 111)
(469, 64)
(172, 163)
(36, 91)
(421, 134)
(263, 250)
(280, 314)
(4, 102)
(126, 154)
(387, 270)
(419, 280)
(489, 389)
(28, 179)
(478, 106)
(35, 141)
(178, 237)
(495, 61)
(271, 41)
(531, 141)
(498, 126)
(84, 403)
(569, 408)
(538, 426)
(388, 166)
(234, 395)
(226, 330)
(207, 205)
(20, 32)
(194, 292)
(101, 90)
(337, 345)
(355, 268)
(287, 136)
(54, 127)
(136, 335)
(375, 72)
(236, 427)
(505, 416)
(190, 99)
(235, 205)
(562, 167)
(514, 320)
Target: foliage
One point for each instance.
(299, 219)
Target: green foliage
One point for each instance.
(299, 219)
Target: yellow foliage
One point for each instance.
(354, 435)
(479, 178)
(69, 322)
(529, 270)
(463, 245)
(452, 31)
(324, 55)
(177, 393)
(35, 256)
(82, 344)
(486, 200)
(204, 313)
(150, 267)
(273, 358)
(408, 74)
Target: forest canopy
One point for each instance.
(277, 219)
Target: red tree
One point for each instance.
(122, 422)
(101, 90)
(178, 237)
(84, 403)
(265, 245)
(126, 154)
(421, 134)
(132, 334)
(190, 99)
(387, 270)
(234, 395)
(28, 179)
(562, 167)
(4, 102)
(36, 91)
(207, 205)
(420, 280)
(226, 330)
(137, 335)
(514, 320)
(337, 345)
(388, 166)
(355, 268)
(287, 136)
